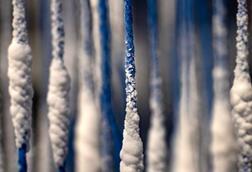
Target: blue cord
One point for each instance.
(129, 42)
(22, 164)
(106, 97)
(155, 70)
(152, 19)
(205, 34)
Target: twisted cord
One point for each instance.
(57, 28)
(22, 159)
(132, 149)
(88, 123)
(241, 91)
(157, 158)
(58, 102)
(20, 82)
(19, 32)
(223, 138)
(59, 88)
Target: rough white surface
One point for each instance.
(58, 97)
(58, 107)
(20, 89)
(132, 148)
(241, 91)
(156, 150)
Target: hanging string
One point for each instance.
(101, 31)
(187, 144)
(88, 123)
(241, 97)
(105, 147)
(59, 88)
(20, 82)
(223, 139)
(132, 148)
(156, 151)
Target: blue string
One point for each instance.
(153, 29)
(129, 41)
(204, 22)
(22, 164)
(106, 97)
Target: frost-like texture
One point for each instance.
(19, 22)
(20, 89)
(88, 123)
(19, 73)
(58, 102)
(132, 149)
(223, 145)
(59, 88)
(241, 91)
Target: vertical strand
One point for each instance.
(241, 91)
(223, 145)
(132, 149)
(20, 82)
(110, 129)
(156, 151)
(105, 147)
(88, 124)
(187, 140)
(117, 51)
(58, 90)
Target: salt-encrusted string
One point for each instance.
(241, 91)
(132, 148)
(59, 88)
(156, 151)
(20, 82)
(223, 139)
(88, 124)
(19, 22)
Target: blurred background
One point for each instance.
(38, 23)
